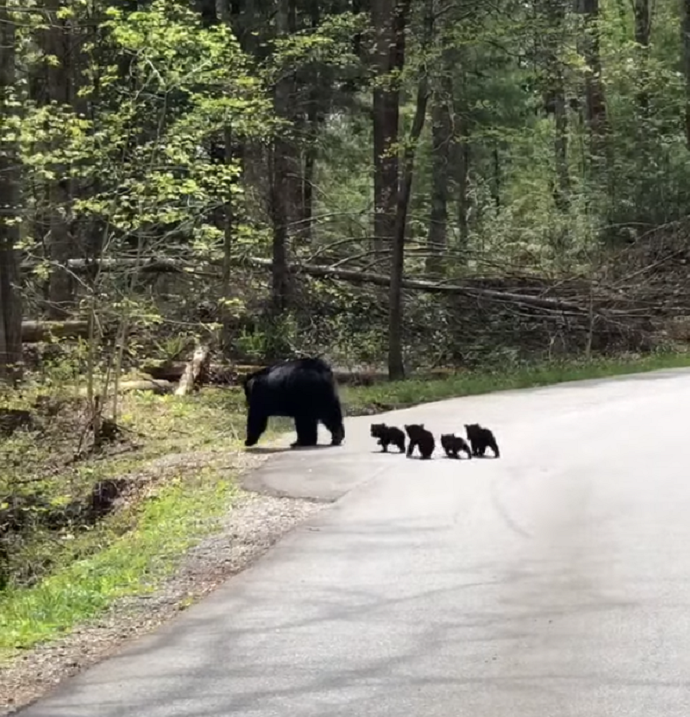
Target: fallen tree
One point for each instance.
(34, 332)
(229, 375)
(349, 275)
(157, 386)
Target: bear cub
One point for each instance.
(480, 439)
(453, 445)
(420, 438)
(388, 435)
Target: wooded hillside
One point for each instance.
(423, 183)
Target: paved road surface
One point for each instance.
(553, 582)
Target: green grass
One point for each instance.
(129, 553)
(401, 394)
(182, 512)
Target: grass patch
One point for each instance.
(76, 577)
(367, 400)
(169, 523)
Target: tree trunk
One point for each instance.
(396, 365)
(10, 297)
(280, 167)
(595, 102)
(314, 118)
(554, 98)
(562, 188)
(643, 29)
(462, 174)
(389, 19)
(60, 242)
(441, 135)
(685, 30)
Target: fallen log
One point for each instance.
(222, 374)
(146, 384)
(349, 275)
(195, 371)
(226, 375)
(34, 332)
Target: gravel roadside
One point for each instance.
(254, 524)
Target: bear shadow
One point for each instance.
(269, 450)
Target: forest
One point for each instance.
(191, 188)
(395, 183)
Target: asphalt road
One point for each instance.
(553, 582)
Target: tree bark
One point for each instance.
(10, 297)
(554, 99)
(389, 18)
(441, 141)
(685, 31)
(195, 371)
(396, 365)
(280, 166)
(595, 100)
(643, 29)
(57, 38)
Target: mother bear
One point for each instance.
(303, 389)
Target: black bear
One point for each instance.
(453, 445)
(420, 438)
(303, 389)
(387, 435)
(480, 439)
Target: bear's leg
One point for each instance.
(307, 431)
(333, 420)
(256, 425)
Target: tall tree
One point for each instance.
(643, 30)
(685, 34)
(595, 102)
(280, 166)
(60, 76)
(389, 19)
(396, 365)
(441, 149)
(554, 94)
(10, 297)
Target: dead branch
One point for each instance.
(195, 371)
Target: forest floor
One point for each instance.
(184, 527)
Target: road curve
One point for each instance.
(554, 582)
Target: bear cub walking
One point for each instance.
(388, 435)
(481, 438)
(420, 438)
(453, 445)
